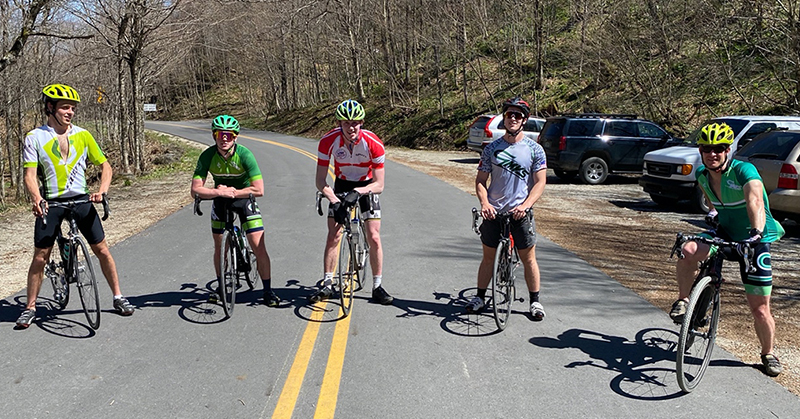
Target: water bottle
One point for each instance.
(354, 230)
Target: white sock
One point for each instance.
(376, 281)
(327, 280)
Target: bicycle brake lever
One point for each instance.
(43, 206)
(106, 210)
(197, 206)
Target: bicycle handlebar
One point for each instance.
(476, 215)
(340, 195)
(744, 249)
(44, 205)
(197, 200)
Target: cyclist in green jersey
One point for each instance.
(236, 176)
(56, 154)
(740, 208)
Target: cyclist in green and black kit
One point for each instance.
(236, 176)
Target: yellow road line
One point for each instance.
(329, 392)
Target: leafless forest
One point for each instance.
(424, 67)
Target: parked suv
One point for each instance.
(776, 155)
(487, 128)
(593, 145)
(669, 174)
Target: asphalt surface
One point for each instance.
(602, 351)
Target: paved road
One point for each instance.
(602, 351)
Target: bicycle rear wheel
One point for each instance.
(346, 273)
(502, 284)
(362, 256)
(87, 282)
(249, 265)
(698, 333)
(54, 271)
(228, 274)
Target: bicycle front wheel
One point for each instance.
(55, 272)
(698, 333)
(502, 284)
(228, 274)
(362, 256)
(87, 283)
(346, 273)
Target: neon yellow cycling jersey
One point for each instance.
(61, 176)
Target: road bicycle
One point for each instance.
(237, 260)
(701, 321)
(506, 261)
(353, 252)
(73, 263)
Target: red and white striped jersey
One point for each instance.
(368, 153)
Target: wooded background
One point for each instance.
(424, 69)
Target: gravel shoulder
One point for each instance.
(615, 227)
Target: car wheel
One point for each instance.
(661, 200)
(565, 175)
(699, 202)
(594, 171)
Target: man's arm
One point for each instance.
(106, 174)
(754, 196)
(376, 186)
(322, 184)
(539, 181)
(32, 186)
(481, 190)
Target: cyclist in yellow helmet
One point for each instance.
(56, 154)
(740, 209)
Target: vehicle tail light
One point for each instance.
(486, 131)
(787, 179)
(562, 143)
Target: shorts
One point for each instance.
(523, 231)
(341, 186)
(249, 214)
(85, 215)
(758, 282)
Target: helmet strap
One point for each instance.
(724, 165)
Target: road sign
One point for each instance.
(149, 107)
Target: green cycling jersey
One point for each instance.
(731, 203)
(238, 171)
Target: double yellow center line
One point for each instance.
(329, 392)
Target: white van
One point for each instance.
(668, 174)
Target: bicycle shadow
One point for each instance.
(49, 318)
(639, 363)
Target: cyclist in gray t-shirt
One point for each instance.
(517, 167)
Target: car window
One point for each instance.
(758, 129)
(480, 123)
(532, 125)
(649, 130)
(553, 128)
(774, 146)
(621, 129)
(581, 127)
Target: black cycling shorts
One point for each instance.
(341, 186)
(523, 231)
(85, 214)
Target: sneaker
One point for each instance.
(772, 366)
(678, 311)
(123, 306)
(271, 299)
(537, 311)
(380, 295)
(475, 305)
(323, 294)
(26, 318)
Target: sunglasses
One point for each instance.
(718, 149)
(514, 115)
(229, 135)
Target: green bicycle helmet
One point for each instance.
(713, 134)
(225, 123)
(350, 110)
(56, 92)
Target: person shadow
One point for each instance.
(645, 366)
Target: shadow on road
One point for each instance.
(640, 364)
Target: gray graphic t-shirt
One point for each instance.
(511, 168)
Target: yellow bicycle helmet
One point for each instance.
(713, 134)
(56, 92)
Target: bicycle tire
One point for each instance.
(698, 333)
(362, 256)
(54, 270)
(227, 273)
(346, 272)
(250, 265)
(502, 284)
(87, 282)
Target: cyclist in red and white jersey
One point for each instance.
(358, 156)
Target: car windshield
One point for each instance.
(737, 125)
(481, 122)
(772, 146)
